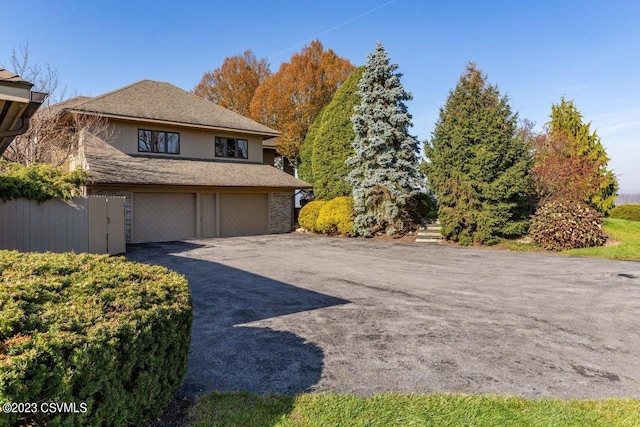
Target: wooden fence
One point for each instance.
(87, 224)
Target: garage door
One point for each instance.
(244, 214)
(160, 217)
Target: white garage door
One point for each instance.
(244, 214)
(161, 217)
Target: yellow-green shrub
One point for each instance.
(39, 181)
(91, 329)
(336, 217)
(309, 214)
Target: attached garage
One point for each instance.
(161, 217)
(244, 214)
(208, 215)
(169, 199)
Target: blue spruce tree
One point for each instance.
(385, 176)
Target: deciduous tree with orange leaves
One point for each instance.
(290, 99)
(234, 83)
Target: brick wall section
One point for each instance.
(127, 206)
(280, 211)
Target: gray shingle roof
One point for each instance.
(68, 104)
(8, 76)
(108, 165)
(149, 100)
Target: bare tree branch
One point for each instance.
(45, 79)
(53, 136)
(54, 132)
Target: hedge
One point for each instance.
(39, 181)
(630, 212)
(336, 217)
(309, 214)
(102, 332)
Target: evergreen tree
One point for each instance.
(566, 121)
(478, 165)
(305, 171)
(385, 173)
(329, 143)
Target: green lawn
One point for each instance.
(243, 409)
(623, 231)
(625, 236)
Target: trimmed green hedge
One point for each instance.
(309, 214)
(630, 212)
(39, 181)
(336, 217)
(94, 330)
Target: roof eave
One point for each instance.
(153, 184)
(264, 134)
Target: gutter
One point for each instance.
(6, 137)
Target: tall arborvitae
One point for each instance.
(385, 173)
(329, 143)
(478, 166)
(566, 121)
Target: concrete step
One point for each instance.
(428, 232)
(430, 240)
(434, 229)
(430, 235)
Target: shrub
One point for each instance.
(39, 181)
(90, 329)
(336, 216)
(422, 206)
(630, 212)
(561, 225)
(309, 214)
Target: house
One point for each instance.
(186, 167)
(17, 104)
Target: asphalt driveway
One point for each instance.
(294, 313)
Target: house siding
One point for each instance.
(194, 143)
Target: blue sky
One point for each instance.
(536, 52)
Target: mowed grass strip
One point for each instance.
(328, 409)
(626, 233)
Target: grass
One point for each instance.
(623, 231)
(623, 242)
(328, 409)
(519, 245)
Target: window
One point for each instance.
(232, 147)
(154, 141)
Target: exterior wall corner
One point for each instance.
(280, 212)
